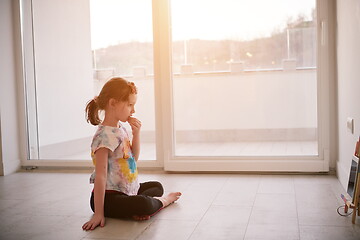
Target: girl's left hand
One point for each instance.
(94, 223)
(135, 125)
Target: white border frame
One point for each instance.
(164, 111)
(28, 84)
(318, 163)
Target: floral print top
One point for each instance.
(122, 174)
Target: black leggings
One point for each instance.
(121, 205)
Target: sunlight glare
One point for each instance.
(115, 21)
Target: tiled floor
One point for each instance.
(47, 206)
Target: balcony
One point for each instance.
(275, 114)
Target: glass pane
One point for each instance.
(122, 45)
(245, 81)
(82, 44)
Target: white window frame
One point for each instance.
(31, 140)
(319, 163)
(165, 143)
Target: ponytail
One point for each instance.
(92, 112)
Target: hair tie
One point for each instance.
(133, 88)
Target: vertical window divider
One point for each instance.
(326, 81)
(29, 78)
(162, 79)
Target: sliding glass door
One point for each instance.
(71, 49)
(122, 45)
(223, 85)
(244, 85)
(244, 78)
(58, 78)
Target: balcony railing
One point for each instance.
(275, 114)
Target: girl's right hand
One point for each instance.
(95, 221)
(135, 125)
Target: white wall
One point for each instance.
(9, 116)
(348, 60)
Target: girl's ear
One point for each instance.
(112, 102)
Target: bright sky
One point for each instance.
(114, 21)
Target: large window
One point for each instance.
(59, 78)
(122, 45)
(223, 85)
(245, 78)
(77, 47)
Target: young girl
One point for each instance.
(117, 193)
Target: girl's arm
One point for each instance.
(101, 156)
(135, 127)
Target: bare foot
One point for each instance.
(141, 218)
(169, 199)
(166, 201)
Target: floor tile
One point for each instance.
(55, 205)
(225, 233)
(168, 229)
(276, 184)
(238, 199)
(223, 222)
(272, 232)
(191, 211)
(274, 201)
(328, 233)
(241, 183)
(319, 195)
(279, 216)
(120, 229)
(223, 216)
(322, 217)
(40, 227)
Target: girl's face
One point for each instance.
(123, 110)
